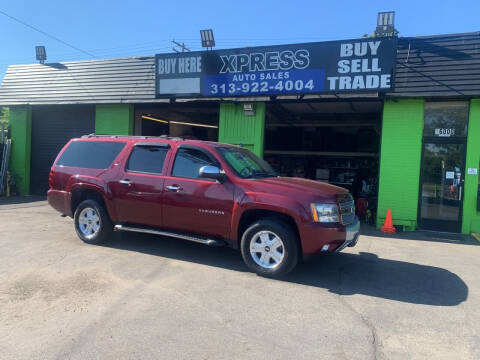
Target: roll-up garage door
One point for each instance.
(52, 127)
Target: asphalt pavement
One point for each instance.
(146, 297)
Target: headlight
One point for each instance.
(325, 213)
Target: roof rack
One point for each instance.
(166, 137)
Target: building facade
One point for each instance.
(396, 123)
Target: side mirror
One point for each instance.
(211, 172)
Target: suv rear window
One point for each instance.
(90, 154)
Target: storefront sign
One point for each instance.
(335, 66)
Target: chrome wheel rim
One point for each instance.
(89, 222)
(267, 249)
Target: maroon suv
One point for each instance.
(211, 193)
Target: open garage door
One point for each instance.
(337, 142)
(52, 127)
(193, 120)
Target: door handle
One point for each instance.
(174, 188)
(125, 182)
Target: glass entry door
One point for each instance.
(441, 189)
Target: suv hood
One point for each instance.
(298, 187)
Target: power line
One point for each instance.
(182, 46)
(145, 47)
(101, 51)
(101, 54)
(46, 34)
(72, 57)
(149, 44)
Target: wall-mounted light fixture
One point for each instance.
(248, 109)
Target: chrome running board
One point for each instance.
(205, 241)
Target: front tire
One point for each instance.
(270, 248)
(92, 223)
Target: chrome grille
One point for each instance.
(347, 211)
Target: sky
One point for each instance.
(109, 29)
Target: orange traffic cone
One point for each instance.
(388, 224)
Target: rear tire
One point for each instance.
(92, 223)
(270, 248)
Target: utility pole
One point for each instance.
(181, 45)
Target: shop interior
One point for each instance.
(195, 120)
(335, 142)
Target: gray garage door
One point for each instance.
(52, 127)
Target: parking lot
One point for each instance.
(144, 297)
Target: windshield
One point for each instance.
(245, 164)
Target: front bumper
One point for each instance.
(315, 237)
(352, 234)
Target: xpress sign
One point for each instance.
(346, 66)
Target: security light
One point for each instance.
(248, 110)
(385, 23)
(207, 38)
(41, 54)
(385, 18)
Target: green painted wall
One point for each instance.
(238, 129)
(400, 159)
(20, 119)
(114, 119)
(471, 217)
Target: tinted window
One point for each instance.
(90, 154)
(189, 161)
(148, 159)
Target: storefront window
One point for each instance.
(446, 119)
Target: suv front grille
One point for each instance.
(347, 211)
